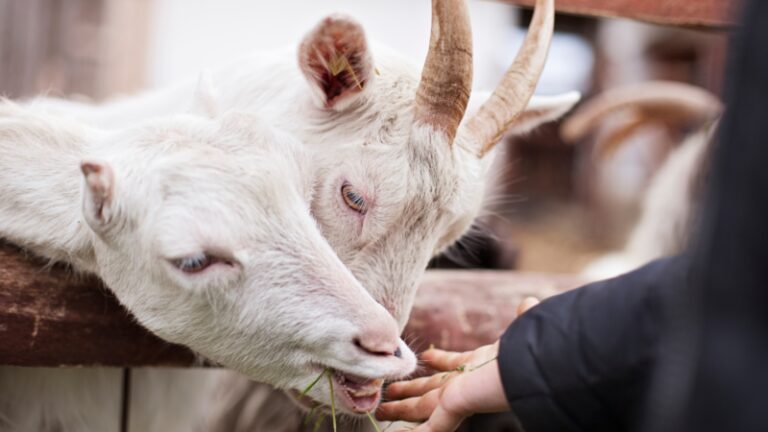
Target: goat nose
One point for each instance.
(379, 341)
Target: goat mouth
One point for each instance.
(352, 393)
(358, 394)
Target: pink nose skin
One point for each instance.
(379, 341)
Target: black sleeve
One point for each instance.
(580, 361)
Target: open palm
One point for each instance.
(465, 383)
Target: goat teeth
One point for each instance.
(364, 393)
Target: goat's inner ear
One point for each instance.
(98, 193)
(335, 59)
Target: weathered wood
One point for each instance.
(48, 317)
(685, 13)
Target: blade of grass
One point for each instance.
(318, 423)
(482, 364)
(333, 401)
(373, 421)
(308, 417)
(313, 383)
(445, 376)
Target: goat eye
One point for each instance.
(194, 263)
(353, 199)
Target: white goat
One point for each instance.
(396, 179)
(674, 193)
(202, 230)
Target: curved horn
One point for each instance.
(516, 88)
(672, 102)
(446, 79)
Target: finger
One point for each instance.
(445, 360)
(415, 409)
(416, 387)
(477, 391)
(441, 420)
(526, 304)
(480, 357)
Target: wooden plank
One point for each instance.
(716, 14)
(48, 317)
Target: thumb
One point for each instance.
(526, 304)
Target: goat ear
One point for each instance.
(543, 109)
(206, 99)
(98, 193)
(335, 59)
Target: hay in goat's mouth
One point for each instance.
(321, 417)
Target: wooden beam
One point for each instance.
(460, 310)
(714, 14)
(48, 317)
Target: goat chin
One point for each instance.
(242, 405)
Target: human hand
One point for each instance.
(466, 383)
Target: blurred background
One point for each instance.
(554, 207)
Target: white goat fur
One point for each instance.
(423, 192)
(168, 189)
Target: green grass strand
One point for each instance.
(373, 421)
(333, 400)
(312, 384)
(318, 423)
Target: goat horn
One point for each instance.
(671, 101)
(511, 96)
(446, 80)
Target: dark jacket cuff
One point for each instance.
(581, 361)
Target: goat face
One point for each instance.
(393, 204)
(397, 179)
(203, 231)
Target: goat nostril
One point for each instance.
(370, 350)
(359, 344)
(398, 353)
